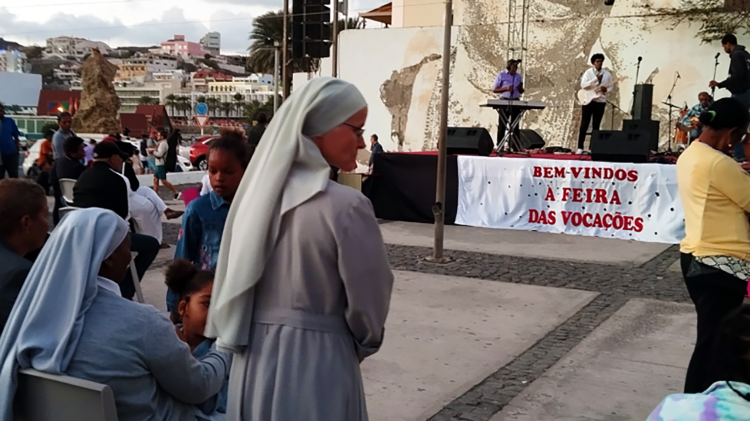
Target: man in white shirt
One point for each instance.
(594, 78)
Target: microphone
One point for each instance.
(717, 55)
(678, 75)
(639, 59)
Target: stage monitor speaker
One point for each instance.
(620, 146)
(651, 126)
(469, 141)
(531, 140)
(644, 95)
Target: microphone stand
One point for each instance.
(716, 64)
(671, 107)
(612, 123)
(635, 84)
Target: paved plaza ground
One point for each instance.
(520, 326)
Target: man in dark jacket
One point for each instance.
(102, 186)
(738, 82)
(23, 229)
(69, 166)
(253, 138)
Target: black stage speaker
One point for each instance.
(620, 146)
(531, 140)
(651, 126)
(469, 141)
(644, 95)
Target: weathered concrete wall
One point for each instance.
(398, 69)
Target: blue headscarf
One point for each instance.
(43, 329)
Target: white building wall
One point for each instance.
(399, 69)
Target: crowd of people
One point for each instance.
(280, 284)
(281, 305)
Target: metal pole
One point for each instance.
(285, 76)
(439, 208)
(334, 40)
(275, 77)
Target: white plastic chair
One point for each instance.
(66, 187)
(136, 281)
(43, 397)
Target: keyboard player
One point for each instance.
(509, 85)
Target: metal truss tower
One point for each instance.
(518, 32)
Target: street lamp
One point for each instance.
(276, 46)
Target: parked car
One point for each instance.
(199, 152)
(23, 142)
(28, 158)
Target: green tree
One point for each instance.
(716, 17)
(183, 104)
(50, 126)
(171, 102)
(251, 110)
(267, 29)
(351, 23)
(145, 100)
(34, 52)
(213, 105)
(226, 108)
(239, 101)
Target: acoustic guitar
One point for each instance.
(586, 95)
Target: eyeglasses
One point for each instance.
(359, 131)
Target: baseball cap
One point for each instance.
(104, 150)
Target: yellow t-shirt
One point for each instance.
(715, 193)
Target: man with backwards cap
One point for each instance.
(103, 186)
(509, 84)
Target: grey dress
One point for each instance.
(320, 308)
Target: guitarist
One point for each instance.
(594, 79)
(690, 122)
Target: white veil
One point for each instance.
(287, 169)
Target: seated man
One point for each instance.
(69, 166)
(45, 160)
(23, 229)
(146, 207)
(690, 123)
(104, 186)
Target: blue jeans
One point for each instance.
(744, 98)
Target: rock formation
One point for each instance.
(97, 112)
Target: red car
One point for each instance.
(199, 152)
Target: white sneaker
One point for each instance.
(579, 152)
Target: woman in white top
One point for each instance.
(303, 285)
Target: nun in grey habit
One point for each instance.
(303, 284)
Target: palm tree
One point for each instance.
(251, 109)
(351, 23)
(213, 105)
(201, 98)
(267, 29)
(226, 107)
(183, 104)
(239, 100)
(171, 102)
(145, 100)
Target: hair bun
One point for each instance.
(707, 117)
(178, 275)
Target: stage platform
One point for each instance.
(559, 193)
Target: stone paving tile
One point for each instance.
(615, 284)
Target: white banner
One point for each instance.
(603, 199)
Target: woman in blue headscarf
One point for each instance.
(70, 319)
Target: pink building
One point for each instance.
(178, 46)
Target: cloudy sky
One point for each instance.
(139, 22)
